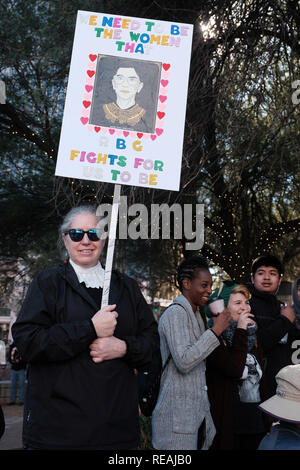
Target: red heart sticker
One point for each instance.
(160, 114)
(90, 73)
(93, 57)
(97, 129)
(86, 104)
(166, 66)
(140, 135)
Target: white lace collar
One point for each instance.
(92, 277)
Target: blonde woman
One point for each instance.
(234, 376)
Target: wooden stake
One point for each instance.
(111, 244)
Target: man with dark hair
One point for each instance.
(275, 320)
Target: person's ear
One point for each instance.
(64, 239)
(186, 284)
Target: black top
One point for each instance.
(95, 293)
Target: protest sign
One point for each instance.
(125, 105)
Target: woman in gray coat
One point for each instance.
(181, 419)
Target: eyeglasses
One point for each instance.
(76, 234)
(130, 80)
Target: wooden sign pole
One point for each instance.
(111, 244)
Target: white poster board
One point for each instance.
(125, 105)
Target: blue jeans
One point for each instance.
(17, 378)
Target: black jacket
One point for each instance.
(224, 368)
(272, 327)
(71, 402)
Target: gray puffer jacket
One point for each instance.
(183, 401)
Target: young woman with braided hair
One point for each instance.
(182, 419)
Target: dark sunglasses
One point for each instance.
(76, 234)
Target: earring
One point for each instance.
(66, 257)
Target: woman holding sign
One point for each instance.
(181, 419)
(82, 390)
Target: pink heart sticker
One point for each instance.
(153, 137)
(125, 133)
(164, 82)
(84, 120)
(118, 132)
(162, 98)
(159, 131)
(163, 91)
(87, 96)
(85, 112)
(111, 131)
(104, 130)
(90, 81)
(165, 74)
(159, 123)
(90, 127)
(162, 106)
(92, 66)
(88, 88)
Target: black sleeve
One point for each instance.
(37, 335)
(269, 335)
(230, 361)
(141, 346)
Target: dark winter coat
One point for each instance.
(224, 366)
(72, 402)
(272, 327)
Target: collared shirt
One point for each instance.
(92, 277)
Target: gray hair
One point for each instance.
(68, 219)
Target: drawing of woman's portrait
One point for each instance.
(125, 94)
